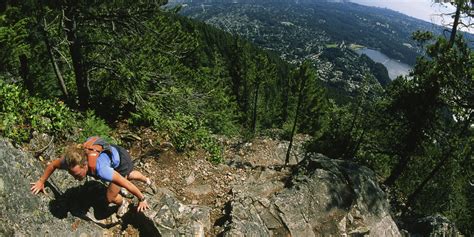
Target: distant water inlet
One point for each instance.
(394, 67)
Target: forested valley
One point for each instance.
(73, 69)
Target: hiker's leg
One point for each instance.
(137, 175)
(113, 195)
(126, 167)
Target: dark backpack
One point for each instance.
(94, 146)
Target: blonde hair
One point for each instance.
(75, 155)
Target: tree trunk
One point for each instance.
(413, 139)
(295, 122)
(350, 146)
(245, 102)
(236, 74)
(397, 170)
(464, 130)
(78, 61)
(285, 100)
(236, 83)
(350, 153)
(254, 117)
(420, 187)
(25, 74)
(455, 25)
(57, 72)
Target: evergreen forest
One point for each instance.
(73, 69)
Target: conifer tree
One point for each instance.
(309, 103)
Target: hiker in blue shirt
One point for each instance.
(107, 162)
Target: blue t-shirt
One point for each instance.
(105, 165)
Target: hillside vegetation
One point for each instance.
(78, 68)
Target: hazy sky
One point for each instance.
(422, 9)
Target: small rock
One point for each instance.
(200, 190)
(190, 179)
(350, 218)
(360, 230)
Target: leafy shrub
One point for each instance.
(188, 132)
(185, 131)
(147, 114)
(211, 145)
(94, 126)
(21, 114)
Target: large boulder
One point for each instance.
(323, 197)
(169, 217)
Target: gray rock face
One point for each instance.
(23, 214)
(169, 217)
(323, 197)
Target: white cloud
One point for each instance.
(425, 10)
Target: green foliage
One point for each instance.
(188, 133)
(341, 129)
(287, 130)
(211, 145)
(419, 139)
(449, 72)
(378, 70)
(94, 126)
(422, 36)
(336, 137)
(147, 114)
(185, 131)
(13, 39)
(151, 65)
(314, 105)
(21, 114)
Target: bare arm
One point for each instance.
(123, 182)
(38, 186)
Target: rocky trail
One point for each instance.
(195, 181)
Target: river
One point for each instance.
(394, 67)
